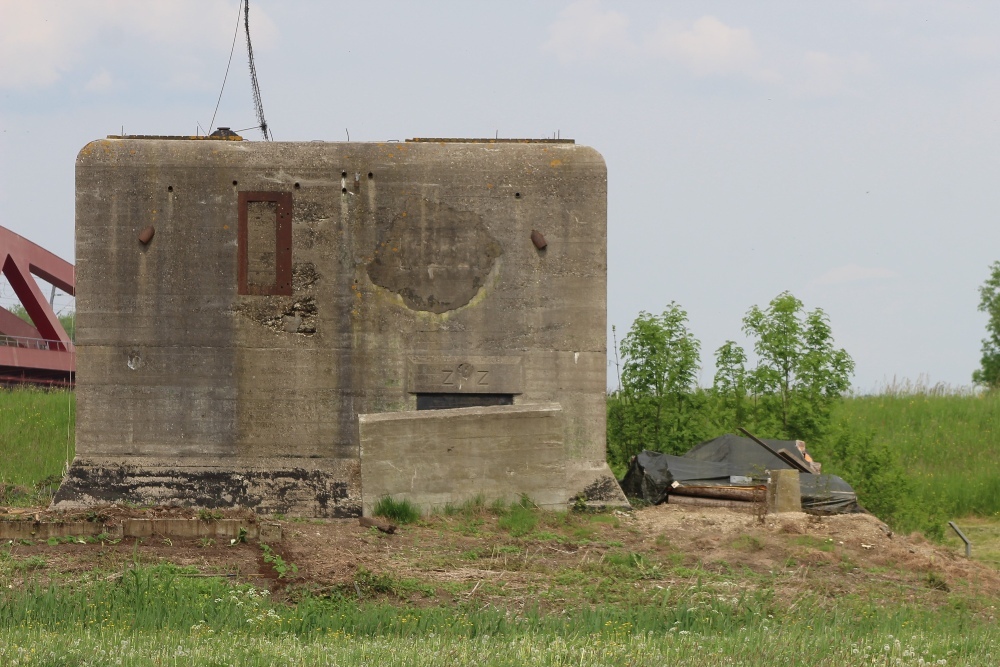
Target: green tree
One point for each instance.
(729, 388)
(68, 320)
(798, 376)
(659, 401)
(988, 373)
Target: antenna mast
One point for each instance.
(253, 75)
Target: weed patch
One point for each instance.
(748, 543)
(811, 542)
(400, 511)
(519, 522)
(279, 564)
(369, 584)
(936, 581)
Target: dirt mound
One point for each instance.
(724, 523)
(458, 558)
(860, 546)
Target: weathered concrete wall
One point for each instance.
(411, 270)
(438, 457)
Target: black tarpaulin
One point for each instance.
(715, 462)
(745, 453)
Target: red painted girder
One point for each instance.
(19, 259)
(12, 325)
(47, 360)
(44, 264)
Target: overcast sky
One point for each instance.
(845, 151)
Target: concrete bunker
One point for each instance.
(305, 327)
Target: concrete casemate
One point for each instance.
(240, 304)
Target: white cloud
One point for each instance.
(36, 44)
(584, 31)
(41, 40)
(825, 75)
(852, 273)
(705, 47)
(708, 47)
(99, 82)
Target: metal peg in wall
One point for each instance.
(538, 239)
(146, 235)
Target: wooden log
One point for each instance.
(709, 502)
(744, 493)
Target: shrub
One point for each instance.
(881, 481)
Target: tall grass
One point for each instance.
(36, 434)
(401, 511)
(772, 647)
(157, 615)
(949, 441)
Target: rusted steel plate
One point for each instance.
(282, 285)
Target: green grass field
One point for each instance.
(36, 434)
(165, 614)
(949, 442)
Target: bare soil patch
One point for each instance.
(566, 559)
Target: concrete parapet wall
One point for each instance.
(439, 457)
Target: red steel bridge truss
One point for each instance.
(41, 352)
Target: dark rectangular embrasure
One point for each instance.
(446, 401)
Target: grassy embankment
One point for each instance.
(36, 441)
(949, 443)
(157, 615)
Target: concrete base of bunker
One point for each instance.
(265, 486)
(595, 486)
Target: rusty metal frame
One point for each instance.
(282, 244)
